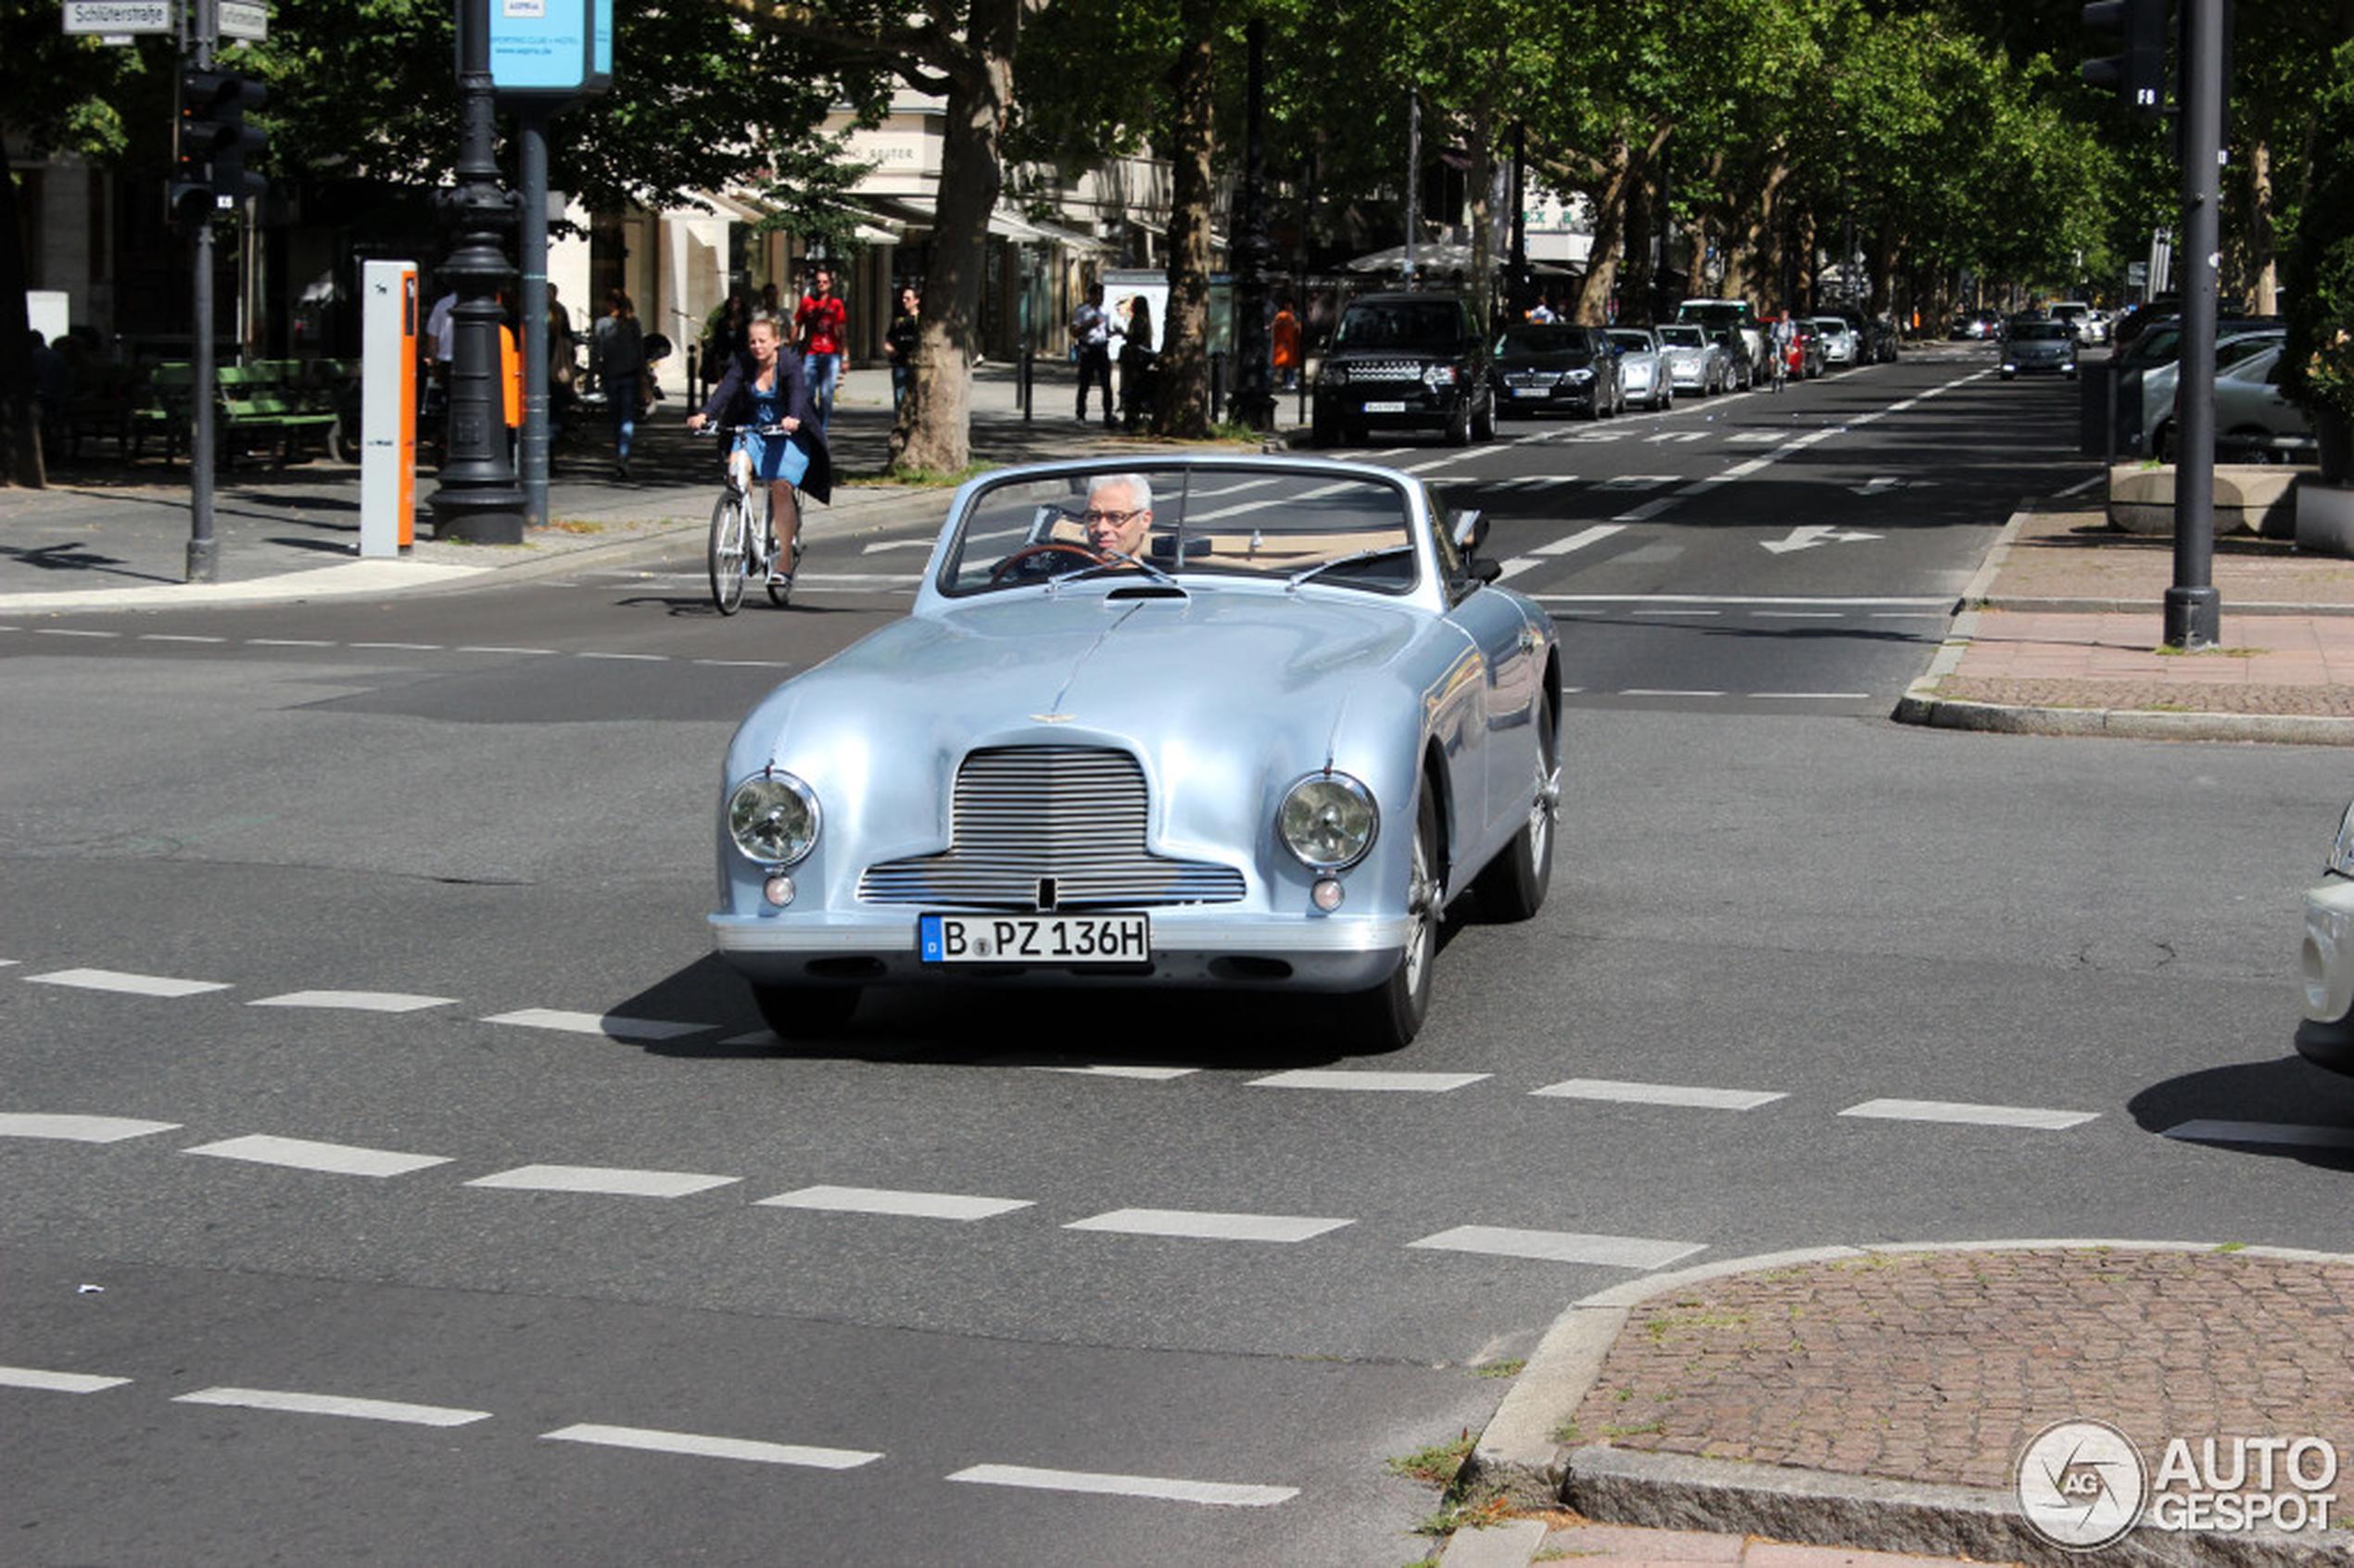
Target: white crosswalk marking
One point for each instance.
(293, 1403)
(881, 1200)
(301, 1154)
(701, 1446)
(1225, 1494)
(1203, 1225)
(1560, 1246)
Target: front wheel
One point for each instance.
(1388, 1016)
(1512, 886)
(726, 554)
(1484, 422)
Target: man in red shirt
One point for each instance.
(823, 322)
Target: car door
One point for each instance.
(1510, 650)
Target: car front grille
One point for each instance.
(1049, 828)
(1537, 379)
(1386, 370)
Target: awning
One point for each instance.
(746, 206)
(919, 212)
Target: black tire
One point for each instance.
(1387, 1016)
(1458, 424)
(726, 555)
(805, 1012)
(1484, 422)
(1512, 886)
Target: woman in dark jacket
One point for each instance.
(765, 386)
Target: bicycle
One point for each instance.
(743, 537)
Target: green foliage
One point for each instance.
(2317, 366)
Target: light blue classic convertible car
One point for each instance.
(1225, 722)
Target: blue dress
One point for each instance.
(773, 457)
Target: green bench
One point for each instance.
(278, 405)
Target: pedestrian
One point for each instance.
(564, 366)
(618, 352)
(1284, 337)
(901, 342)
(723, 337)
(1091, 333)
(824, 322)
(1137, 373)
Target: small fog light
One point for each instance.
(778, 889)
(1327, 894)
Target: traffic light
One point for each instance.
(2137, 76)
(215, 141)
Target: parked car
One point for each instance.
(2039, 347)
(1734, 315)
(1237, 723)
(2157, 383)
(1640, 377)
(2161, 339)
(1405, 362)
(1696, 362)
(1737, 356)
(2327, 963)
(1841, 344)
(1553, 367)
(2087, 324)
(1803, 355)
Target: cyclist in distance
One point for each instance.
(765, 387)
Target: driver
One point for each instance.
(1119, 514)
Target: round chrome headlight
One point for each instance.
(1335, 376)
(1328, 821)
(773, 818)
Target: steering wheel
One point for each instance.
(1012, 564)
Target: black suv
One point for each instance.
(1406, 361)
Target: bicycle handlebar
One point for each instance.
(717, 428)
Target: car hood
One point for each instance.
(1223, 694)
(1557, 359)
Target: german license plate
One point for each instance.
(1396, 406)
(1035, 939)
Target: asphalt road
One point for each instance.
(435, 1196)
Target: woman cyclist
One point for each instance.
(764, 388)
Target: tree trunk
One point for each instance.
(937, 434)
(20, 460)
(1182, 406)
(1610, 217)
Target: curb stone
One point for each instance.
(1517, 1455)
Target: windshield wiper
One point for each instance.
(1306, 572)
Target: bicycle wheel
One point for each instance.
(728, 553)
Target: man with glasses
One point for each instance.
(1119, 514)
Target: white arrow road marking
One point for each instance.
(1230, 1494)
(1810, 535)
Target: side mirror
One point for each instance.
(1469, 530)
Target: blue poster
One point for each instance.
(551, 49)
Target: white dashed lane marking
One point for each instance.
(1972, 1114)
(882, 1201)
(1216, 1493)
(609, 1024)
(129, 984)
(77, 1129)
(1624, 1092)
(1389, 1083)
(356, 1001)
(1205, 1226)
(301, 1154)
(1561, 1247)
(607, 1180)
(57, 1382)
(289, 1402)
(698, 1446)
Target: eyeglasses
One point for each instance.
(1092, 516)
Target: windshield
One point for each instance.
(1401, 323)
(1634, 342)
(2043, 331)
(1683, 337)
(1714, 313)
(1540, 338)
(1181, 525)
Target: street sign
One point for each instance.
(248, 20)
(550, 50)
(115, 18)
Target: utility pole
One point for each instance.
(2194, 610)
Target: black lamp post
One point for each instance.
(478, 500)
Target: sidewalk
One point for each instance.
(2059, 636)
(110, 535)
(1879, 1400)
